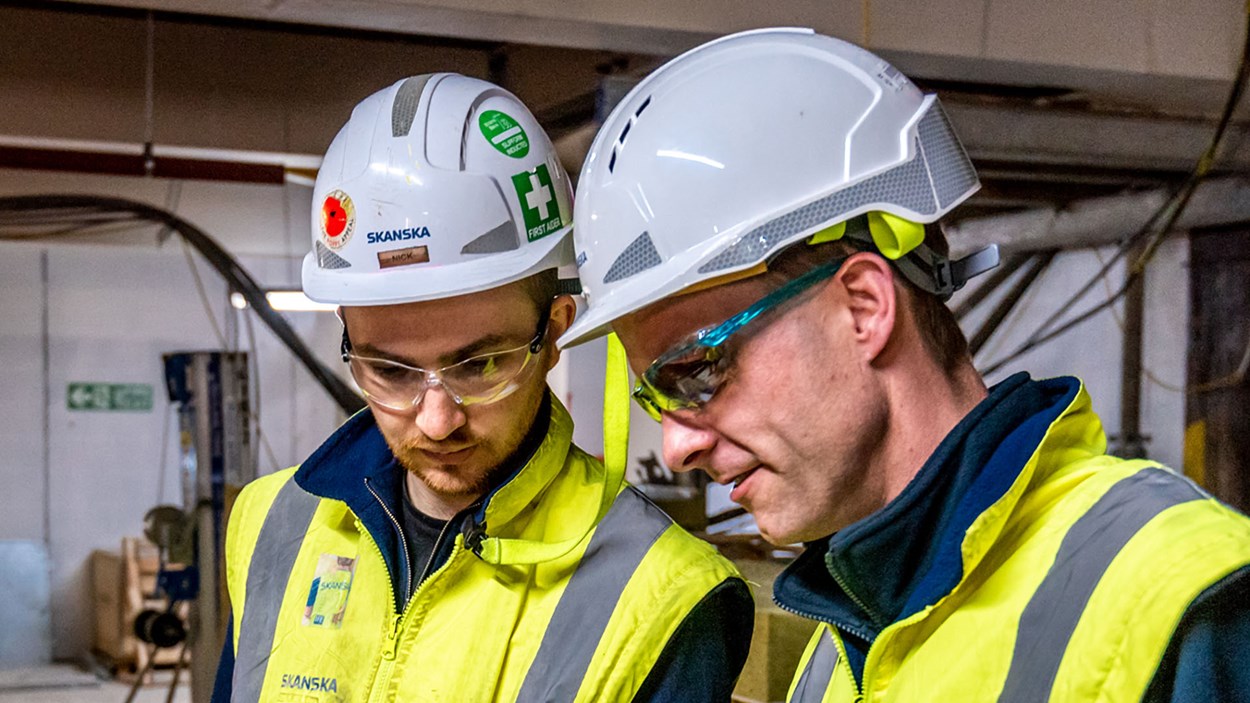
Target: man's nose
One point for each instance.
(686, 444)
(438, 413)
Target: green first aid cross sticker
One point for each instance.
(538, 202)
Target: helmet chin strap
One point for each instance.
(902, 242)
(500, 550)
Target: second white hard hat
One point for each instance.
(742, 146)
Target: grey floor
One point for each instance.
(67, 684)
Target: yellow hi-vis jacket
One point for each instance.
(316, 616)
(1072, 583)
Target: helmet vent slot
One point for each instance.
(643, 106)
(639, 256)
(612, 161)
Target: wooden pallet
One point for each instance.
(123, 585)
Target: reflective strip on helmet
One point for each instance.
(1093, 541)
(498, 240)
(949, 167)
(616, 549)
(639, 256)
(818, 673)
(911, 185)
(277, 547)
(327, 259)
(407, 98)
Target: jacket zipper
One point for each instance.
(399, 531)
(859, 694)
(387, 665)
(811, 616)
(390, 650)
(854, 598)
(438, 543)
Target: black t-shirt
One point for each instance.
(421, 532)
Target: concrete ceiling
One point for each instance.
(1056, 102)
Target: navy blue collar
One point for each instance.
(356, 466)
(907, 555)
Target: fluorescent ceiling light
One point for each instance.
(285, 300)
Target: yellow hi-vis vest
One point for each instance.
(588, 626)
(1073, 583)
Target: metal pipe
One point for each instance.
(1132, 445)
(236, 276)
(1102, 221)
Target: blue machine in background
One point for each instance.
(210, 390)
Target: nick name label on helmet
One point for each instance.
(397, 235)
(538, 202)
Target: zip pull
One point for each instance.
(392, 640)
(474, 533)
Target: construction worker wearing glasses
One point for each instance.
(757, 221)
(449, 543)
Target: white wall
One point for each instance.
(113, 309)
(1092, 350)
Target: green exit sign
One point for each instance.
(131, 397)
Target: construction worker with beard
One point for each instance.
(758, 222)
(450, 543)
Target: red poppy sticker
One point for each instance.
(338, 219)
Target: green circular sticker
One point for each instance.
(504, 134)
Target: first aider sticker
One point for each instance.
(338, 219)
(539, 206)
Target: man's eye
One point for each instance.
(387, 372)
(481, 366)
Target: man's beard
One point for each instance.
(467, 480)
(493, 461)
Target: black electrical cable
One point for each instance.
(24, 211)
(1176, 204)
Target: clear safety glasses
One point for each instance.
(486, 378)
(690, 373)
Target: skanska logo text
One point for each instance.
(310, 683)
(398, 235)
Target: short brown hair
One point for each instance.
(542, 288)
(939, 330)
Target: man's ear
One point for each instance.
(563, 309)
(867, 282)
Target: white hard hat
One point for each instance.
(742, 146)
(437, 186)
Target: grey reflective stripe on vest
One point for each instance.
(616, 549)
(277, 546)
(818, 673)
(1051, 615)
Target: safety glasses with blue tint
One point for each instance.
(690, 373)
